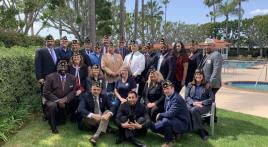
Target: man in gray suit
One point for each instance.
(211, 65)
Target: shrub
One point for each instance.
(10, 39)
(18, 88)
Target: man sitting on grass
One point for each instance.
(95, 111)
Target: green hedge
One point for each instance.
(18, 88)
(9, 39)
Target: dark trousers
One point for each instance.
(215, 90)
(126, 133)
(43, 102)
(153, 112)
(164, 127)
(196, 113)
(110, 87)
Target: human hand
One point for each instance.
(78, 92)
(41, 81)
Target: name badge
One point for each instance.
(209, 61)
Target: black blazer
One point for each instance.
(44, 63)
(82, 74)
(154, 95)
(139, 111)
(86, 58)
(86, 104)
(167, 68)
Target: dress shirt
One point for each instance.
(136, 63)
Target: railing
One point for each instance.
(265, 76)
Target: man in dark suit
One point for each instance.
(122, 50)
(59, 92)
(63, 51)
(45, 63)
(132, 119)
(166, 64)
(95, 111)
(176, 117)
(88, 49)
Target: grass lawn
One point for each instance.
(232, 130)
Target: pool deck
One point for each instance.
(254, 103)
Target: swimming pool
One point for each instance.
(246, 85)
(239, 64)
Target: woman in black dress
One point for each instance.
(153, 94)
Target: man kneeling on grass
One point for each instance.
(175, 120)
(95, 111)
(132, 119)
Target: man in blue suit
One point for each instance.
(45, 63)
(63, 51)
(175, 120)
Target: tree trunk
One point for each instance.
(136, 19)
(214, 12)
(226, 25)
(152, 22)
(93, 21)
(143, 27)
(239, 27)
(122, 18)
(60, 28)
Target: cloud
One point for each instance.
(259, 12)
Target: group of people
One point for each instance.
(136, 89)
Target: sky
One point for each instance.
(188, 11)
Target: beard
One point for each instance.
(62, 72)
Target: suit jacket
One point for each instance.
(86, 57)
(207, 96)
(139, 111)
(153, 94)
(63, 55)
(168, 67)
(194, 61)
(83, 72)
(150, 61)
(123, 53)
(53, 87)
(212, 69)
(44, 63)
(176, 111)
(108, 64)
(87, 105)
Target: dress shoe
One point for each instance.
(55, 131)
(203, 134)
(137, 143)
(93, 140)
(167, 144)
(178, 136)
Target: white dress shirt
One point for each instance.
(136, 64)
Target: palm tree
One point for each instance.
(92, 18)
(240, 10)
(136, 11)
(227, 8)
(165, 2)
(122, 16)
(142, 22)
(212, 3)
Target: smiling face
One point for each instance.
(178, 47)
(168, 91)
(198, 77)
(75, 47)
(95, 90)
(95, 71)
(132, 99)
(124, 73)
(152, 76)
(77, 59)
(50, 43)
(134, 47)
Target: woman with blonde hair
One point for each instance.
(153, 94)
(123, 85)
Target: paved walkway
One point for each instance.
(253, 103)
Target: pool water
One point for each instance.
(239, 64)
(261, 86)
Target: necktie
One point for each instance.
(131, 57)
(53, 55)
(97, 105)
(62, 83)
